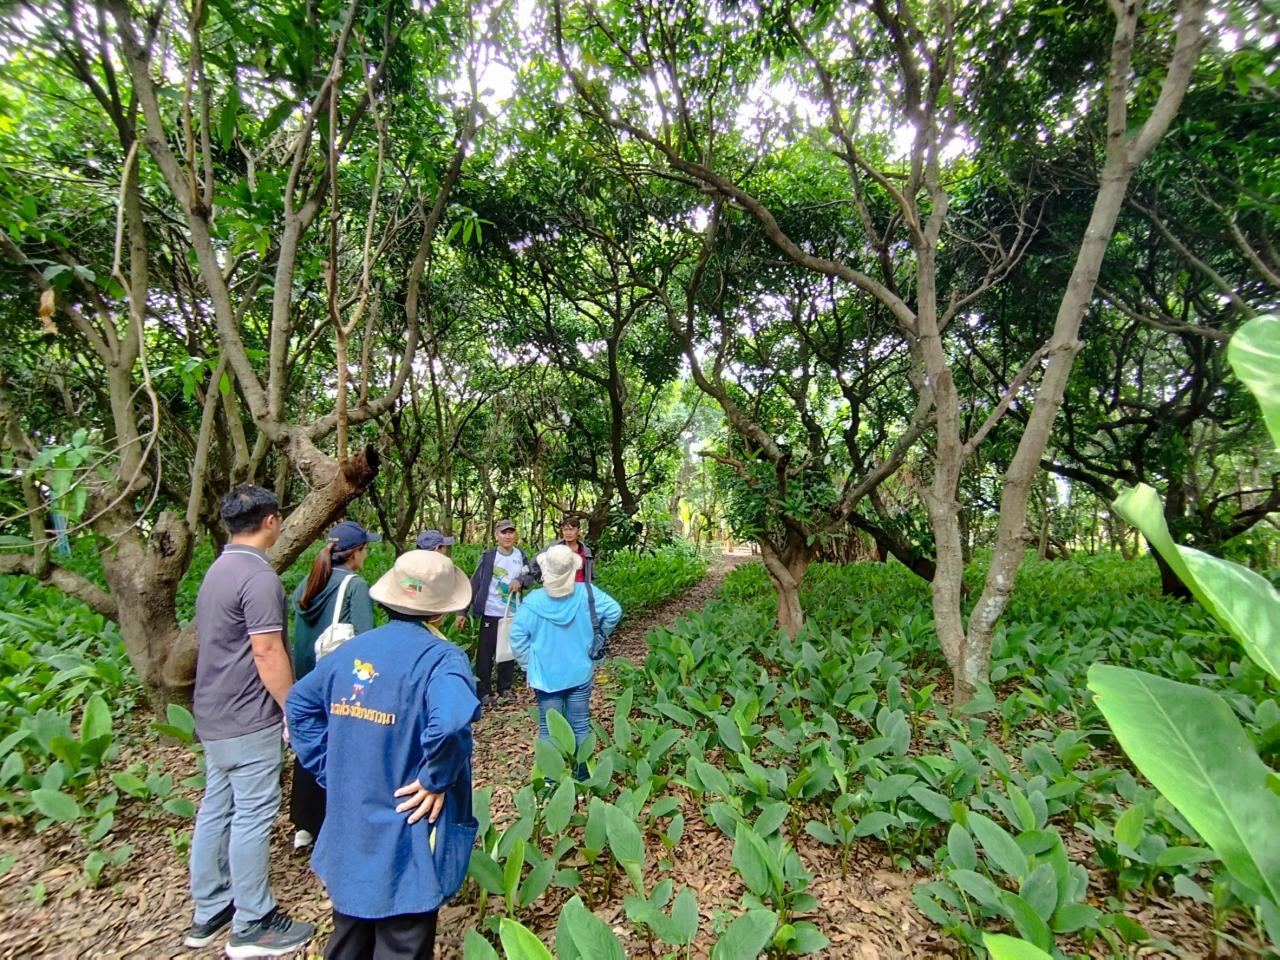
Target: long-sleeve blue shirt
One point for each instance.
(392, 706)
(551, 636)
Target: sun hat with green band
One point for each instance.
(422, 582)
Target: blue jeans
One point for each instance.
(574, 705)
(231, 844)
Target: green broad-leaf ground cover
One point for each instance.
(807, 757)
(1018, 814)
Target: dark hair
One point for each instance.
(321, 571)
(245, 507)
(574, 522)
(409, 617)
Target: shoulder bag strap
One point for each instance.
(342, 592)
(591, 607)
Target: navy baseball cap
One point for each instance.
(432, 539)
(349, 535)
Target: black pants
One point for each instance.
(306, 802)
(410, 936)
(486, 650)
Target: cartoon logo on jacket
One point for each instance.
(364, 674)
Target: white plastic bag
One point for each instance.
(504, 653)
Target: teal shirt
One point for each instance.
(308, 624)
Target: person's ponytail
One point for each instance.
(321, 571)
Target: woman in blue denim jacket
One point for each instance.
(384, 725)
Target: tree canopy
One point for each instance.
(842, 280)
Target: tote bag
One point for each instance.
(504, 653)
(337, 633)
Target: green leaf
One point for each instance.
(1254, 353)
(684, 916)
(978, 887)
(713, 779)
(561, 732)
(755, 861)
(821, 832)
(549, 760)
(999, 847)
(1040, 890)
(746, 937)
(1187, 741)
(1078, 916)
(96, 721)
(536, 883)
(519, 943)
(730, 736)
(1129, 827)
(1247, 605)
(511, 871)
(56, 805)
(960, 846)
(594, 836)
(771, 818)
(1025, 918)
(624, 836)
(227, 121)
(273, 119)
(931, 800)
(1002, 947)
(102, 827)
(874, 823)
(476, 947)
(485, 871)
(590, 936)
(808, 938)
(180, 806)
(560, 807)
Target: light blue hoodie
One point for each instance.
(551, 636)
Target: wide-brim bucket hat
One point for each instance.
(559, 566)
(422, 582)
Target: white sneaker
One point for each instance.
(302, 838)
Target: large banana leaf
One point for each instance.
(1245, 604)
(1254, 352)
(1189, 744)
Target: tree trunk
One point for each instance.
(969, 651)
(787, 570)
(144, 577)
(317, 511)
(598, 518)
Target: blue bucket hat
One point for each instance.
(349, 535)
(432, 539)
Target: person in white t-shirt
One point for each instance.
(503, 571)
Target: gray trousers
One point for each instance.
(231, 844)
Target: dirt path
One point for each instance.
(47, 911)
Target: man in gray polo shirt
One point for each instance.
(243, 675)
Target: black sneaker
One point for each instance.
(203, 934)
(273, 936)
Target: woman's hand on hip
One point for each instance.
(422, 802)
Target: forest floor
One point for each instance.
(46, 910)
